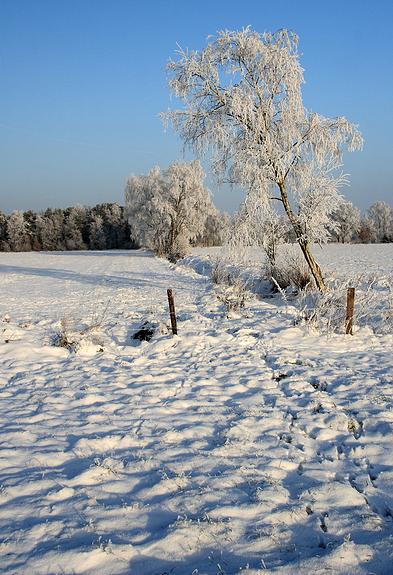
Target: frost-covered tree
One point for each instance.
(75, 222)
(30, 218)
(215, 229)
(187, 204)
(39, 229)
(115, 232)
(258, 224)
(114, 225)
(4, 247)
(51, 230)
(242, 100)
(142, 198)
(104, 226)
(379, 220)
(365, 234)
(345, 223)
(168, 209)
(97, 238)
(17, 232)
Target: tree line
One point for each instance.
(103, 227)
(170, 221)
(348, 226)
(75, 228)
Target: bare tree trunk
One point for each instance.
(312, 264)
(303, 243)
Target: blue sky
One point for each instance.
(83, 82)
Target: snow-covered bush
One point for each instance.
(75, 338)
(233, 295)
(168, 209)
(326, 311)
(242, 100)
(63, 337)
(231, 288)
(290, 270)
(220, 273)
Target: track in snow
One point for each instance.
(242, 442)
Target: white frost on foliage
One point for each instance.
(379, 219)
(347, 222)
(258, 224)
(242, 99)
(168, 209)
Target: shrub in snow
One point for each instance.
(220, 273)
(231, 288)
(79, 340)
(290, 270)
(242, 99)
(63, 336)
(234, 296)
(373, 306)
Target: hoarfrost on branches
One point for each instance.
(17, 232)
(242, 100)
(258, 224)
(140, 200)
(168, 209)
(379, 220)
(97, 234)
(216, 229)
(345, 222)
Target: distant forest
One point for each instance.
(103, 227)
(106, 227)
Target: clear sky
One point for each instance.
(82, 83)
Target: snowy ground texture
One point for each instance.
(245, 444)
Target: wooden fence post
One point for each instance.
(172, 311)
(350, 308)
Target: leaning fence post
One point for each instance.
(172, 311)
(349, 314)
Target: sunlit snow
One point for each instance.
(245, 443)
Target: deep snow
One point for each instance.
(244, 443)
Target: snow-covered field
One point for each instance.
(335, 259)
(244, 444)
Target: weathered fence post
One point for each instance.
(172, 311)
(349, 314)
